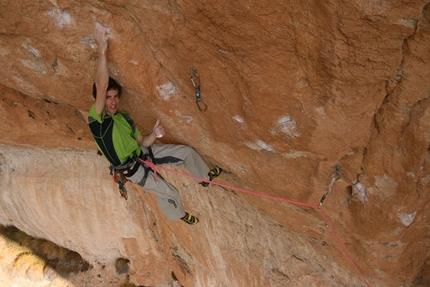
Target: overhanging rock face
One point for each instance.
(80, 208)
(293, 89)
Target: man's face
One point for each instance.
(112, 100)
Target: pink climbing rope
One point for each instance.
(154, 167)
(342, 245)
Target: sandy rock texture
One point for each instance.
(293, 88)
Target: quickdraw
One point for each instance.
(335, 176)
(195, 79)
(120, 179)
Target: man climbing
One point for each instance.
(123, 145)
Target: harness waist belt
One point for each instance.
(131, 165)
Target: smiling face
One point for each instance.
(112, 100)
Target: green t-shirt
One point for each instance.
(115, 135)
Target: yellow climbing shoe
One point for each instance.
(212, 174)
(190, 219)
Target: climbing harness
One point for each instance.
(335, 176)
(195, 79)
(129, 168)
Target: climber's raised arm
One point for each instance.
(102, 74)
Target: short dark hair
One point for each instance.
(113, 85)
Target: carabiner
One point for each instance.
(195, 79)
(336, 175)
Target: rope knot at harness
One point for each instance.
(151, 165)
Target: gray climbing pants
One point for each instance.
(169, 199)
